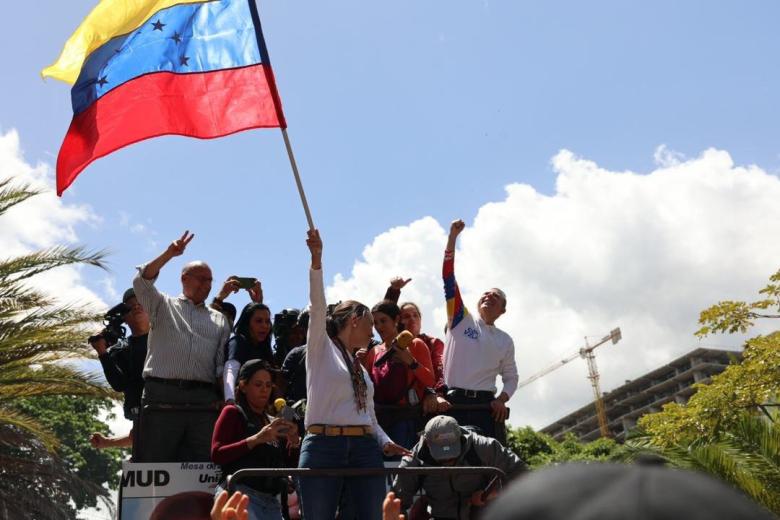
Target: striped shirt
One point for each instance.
(186, 341)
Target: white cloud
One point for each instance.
(137, 228)
(43, 221)
(645, 252)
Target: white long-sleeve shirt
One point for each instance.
(330, 397)
(474, 352)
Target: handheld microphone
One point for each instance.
(402, 341)
(285, 412)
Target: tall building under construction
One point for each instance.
(645, 394)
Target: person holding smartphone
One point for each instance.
(341, 427)
(251, 340)
(246, 436)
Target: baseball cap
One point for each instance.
(602, 491)
(442, 436)
(130, 293)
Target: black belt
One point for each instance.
(471, 394)
(180, 383)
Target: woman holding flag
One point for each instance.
(342, 431)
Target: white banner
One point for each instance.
(167, 491)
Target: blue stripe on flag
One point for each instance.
(183, 39)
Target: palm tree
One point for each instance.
(39, 339)
(747, 455)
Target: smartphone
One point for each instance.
(244, 282)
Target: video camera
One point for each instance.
(113, 320)
(284, 322)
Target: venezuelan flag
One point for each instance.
(146, 68)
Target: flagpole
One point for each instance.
(298, 183)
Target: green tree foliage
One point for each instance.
(538, 449)
(736, 316)
(746, 455)
(719, 405)
(37, 335)
(73, 420)
(725, 429)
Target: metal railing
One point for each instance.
(359, 472)
(411, 412)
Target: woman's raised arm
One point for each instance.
(317, 334)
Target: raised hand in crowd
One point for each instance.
(391, 508)
(233, 508)
(231, 286)
(399, 283)
(314, 243)
(175, 248)
(276, 429)
(256, 292)
(455, 229)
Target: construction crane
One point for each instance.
(587, 354)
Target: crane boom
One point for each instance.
(588, 355)
(547, 370)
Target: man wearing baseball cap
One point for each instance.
(123, 362)
(444, 443)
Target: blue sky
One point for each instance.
(407, 109)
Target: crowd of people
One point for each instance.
(201, 385)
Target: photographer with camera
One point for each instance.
(288, 334)
(185, 357)
(122, 358)
(294, 364)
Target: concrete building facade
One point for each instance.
(646, 394)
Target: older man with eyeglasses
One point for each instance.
(184, 362)
(476, 352)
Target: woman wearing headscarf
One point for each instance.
(251, 340)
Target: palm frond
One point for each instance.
(26, 424)
(11, 195)
(25, 266)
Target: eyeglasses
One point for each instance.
(201, 279)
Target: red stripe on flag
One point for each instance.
(202, 105)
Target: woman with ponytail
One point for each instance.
(342, 431)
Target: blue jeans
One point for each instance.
(262, 506)
(320, 495)
(404, 433)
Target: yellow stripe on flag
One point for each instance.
(110, 18)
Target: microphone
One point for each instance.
(402, 341)
(285, 412)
